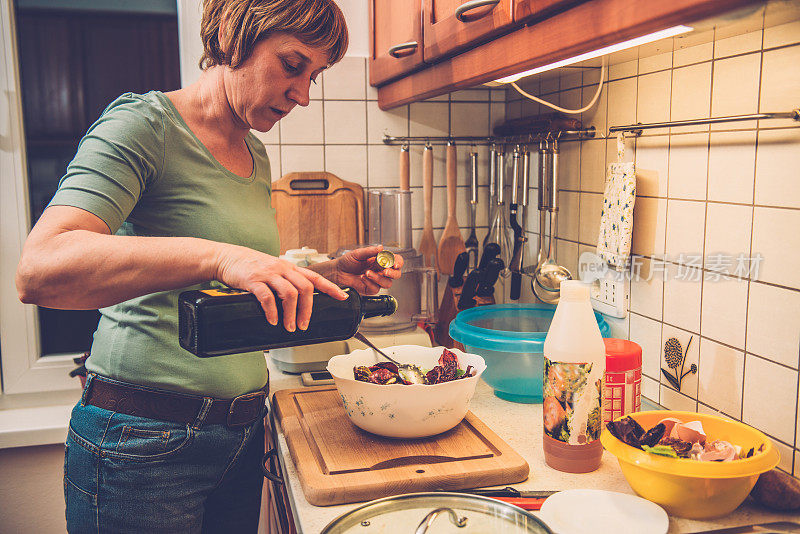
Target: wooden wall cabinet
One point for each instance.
(451, 25)
(395, 28)
(512, 37)
(528, 9)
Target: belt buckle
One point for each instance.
(248, 398)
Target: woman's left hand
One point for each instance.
(359, 269)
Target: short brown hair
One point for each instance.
(230, 29)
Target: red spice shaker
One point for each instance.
(622, 392)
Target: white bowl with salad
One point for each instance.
(376, 399)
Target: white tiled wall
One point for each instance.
(712, 192)
(341, 132)
(709, 193)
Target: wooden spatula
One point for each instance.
(404, 232)
(427, 244)
(451, 243)
(405, 175)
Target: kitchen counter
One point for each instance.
(513, 423)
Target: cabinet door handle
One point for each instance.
(268, 470)
(463, 10)
(404, 49)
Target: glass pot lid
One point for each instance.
(436, 513)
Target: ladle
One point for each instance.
(544, 165)
(549, 275)
(407, 371)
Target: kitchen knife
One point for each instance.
(779, 527)
(526, 503)
(527, 500)
(508, 491)
(519, 237)
(489, 277)
(467, 299)
(459, 268)
(490, 250)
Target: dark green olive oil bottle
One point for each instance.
(215, 322)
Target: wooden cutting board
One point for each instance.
(318, 210)
(338, 462)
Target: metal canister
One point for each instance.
(622, 387)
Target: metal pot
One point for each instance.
(436, 512)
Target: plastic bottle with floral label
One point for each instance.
(574, 366)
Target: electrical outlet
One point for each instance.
(609, 294)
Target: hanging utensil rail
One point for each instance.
(562, 135)
(636, 129)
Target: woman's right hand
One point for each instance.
(265, 276)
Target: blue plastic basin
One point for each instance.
(510, 337)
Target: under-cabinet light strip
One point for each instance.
(649, 38)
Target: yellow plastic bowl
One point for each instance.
(689, 488)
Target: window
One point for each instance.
(61, 68)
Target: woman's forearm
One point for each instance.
(81, 269)
(71, 261)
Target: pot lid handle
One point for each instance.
(431, 517)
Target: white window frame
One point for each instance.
(24, 370)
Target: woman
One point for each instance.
(168, 192)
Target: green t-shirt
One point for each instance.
(142, 171)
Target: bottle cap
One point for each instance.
(574, 290)
(622, 355)
(385, 259)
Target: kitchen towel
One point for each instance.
(616, 219)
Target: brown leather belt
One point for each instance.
(176, 407)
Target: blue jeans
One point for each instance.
(125, 473)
